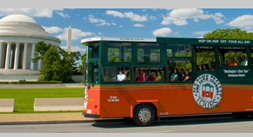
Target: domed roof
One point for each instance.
(18, 18)
(18, 25)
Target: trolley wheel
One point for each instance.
(144, 115)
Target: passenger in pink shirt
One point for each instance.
(142, 77)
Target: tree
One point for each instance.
(52, 68)
(68, 61)
(229, 33)
(83, 66)
(63, 64)
(41, 48)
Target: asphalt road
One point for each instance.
(220, 124)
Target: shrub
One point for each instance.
(4, 82)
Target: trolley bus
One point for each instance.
(148, 79)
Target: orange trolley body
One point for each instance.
(109, 101)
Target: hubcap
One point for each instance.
(144, 115)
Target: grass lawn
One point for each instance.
(24, 98)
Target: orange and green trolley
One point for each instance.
(205, 82)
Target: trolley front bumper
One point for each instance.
(90, 115)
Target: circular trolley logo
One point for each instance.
(207, 91)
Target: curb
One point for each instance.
(59, 121)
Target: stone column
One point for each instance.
(1, 58)
(7, 61)
(39, 63)
(25, 56)
(16, 56)
(32, 56)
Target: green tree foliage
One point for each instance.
(113, 54)
(57, 63)
(229, 33)
(52, 68)
(41, 48)
(83, 66)
(68, 61)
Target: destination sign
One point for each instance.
(223, 41)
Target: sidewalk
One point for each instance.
(44, 117)
(22, 86)
(48, 118)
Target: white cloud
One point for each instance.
(176, 21)
(201, 32)
(139, 25)
(115, 13)
(162, 32)
(114, 24)
(135, 17)
(218, 18)
(244, 21)
(76, 34)
(152, 18)
(64, 15)
(180, 16)
(120, 26)
(130, 15)
(98, 22)
(53, 29)
(48, 13)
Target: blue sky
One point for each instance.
(138, 23)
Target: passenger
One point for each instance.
(244, 61)
(213, 66)
(239, 60)
(174, 75)
(199, 67)
(151, 77)
(126, 75)
(121, 76)
(158, 77)
(142, 77)
(181, 75)
(169, 73)
(205, 68)
(187, 75)
(232, 62)
(137, 75)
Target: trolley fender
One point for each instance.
(134, 104)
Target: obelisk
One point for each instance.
(69, 40)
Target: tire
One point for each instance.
(144, 115)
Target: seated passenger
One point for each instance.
(244, 61)
(174, 75)
(181, 75)
(239, 60)
(142, 76)
(187, 76)
(151, 77)
(126, 76)
(158, 77)
(199, 67)
(205, 68)
(232, 62)
(121, 76)
(169, 73)
(213, 67)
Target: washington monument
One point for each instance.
(69, 40)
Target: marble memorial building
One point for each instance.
(18, 36)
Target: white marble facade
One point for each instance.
(18, 36)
